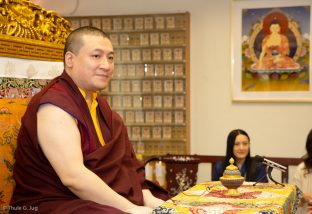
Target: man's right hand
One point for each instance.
(140, 210)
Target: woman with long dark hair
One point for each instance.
(303, 177)
(238, 148)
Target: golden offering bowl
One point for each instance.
(232, 179)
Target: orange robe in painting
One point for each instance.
(276, 57)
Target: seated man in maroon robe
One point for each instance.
(73, 153)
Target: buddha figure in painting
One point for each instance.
(275, 48)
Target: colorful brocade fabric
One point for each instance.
(11, 111)
(210, 197)
(14, 96)
(13, 88)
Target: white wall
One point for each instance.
(276, 129)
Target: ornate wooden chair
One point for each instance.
(180, 171)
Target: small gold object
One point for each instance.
(232, 179)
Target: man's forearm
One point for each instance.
(88, 186)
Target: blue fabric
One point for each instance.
(260, 175)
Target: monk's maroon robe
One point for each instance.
(37, 185)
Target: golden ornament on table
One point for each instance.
(232, 179)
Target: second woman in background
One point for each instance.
(303, 178)
(238, 147)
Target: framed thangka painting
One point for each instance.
(271, 59)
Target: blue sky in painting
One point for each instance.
(301, 14)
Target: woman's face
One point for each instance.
(275, 28)
(241, 147)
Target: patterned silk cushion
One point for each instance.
(11, 111)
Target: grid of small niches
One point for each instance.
(132, 23)
(173, 38)
(147, 85)
(157, 133)
(159, 148)
(149, 55)
(146, 101)
(141, 70)
(150, 117)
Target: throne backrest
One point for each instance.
(31, 48)
(11, 111)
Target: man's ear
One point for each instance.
(69, 59)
